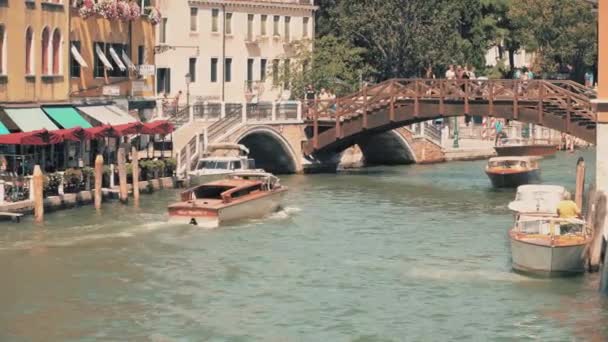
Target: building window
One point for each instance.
(263, 20)
(213, 70)
(29, 47)
(163, 81)
(193, 19)
(275, 26)
(228, 70)
(56, 52)
(74, 65)
(250, 18)
(98, 70)
(305, 27)
(263, 63)
(46, 40)
(287, 72)
(228, 23)
(275, 72)
(116, 71)
(215, 14)
(141, 55)
(287, 23)
(192, 69)
(163, 31)
(249, 72)
(2, 50)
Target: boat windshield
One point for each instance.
(212, 165)
(210, 191)
(539, 195)
(550, 227)
(509, 164)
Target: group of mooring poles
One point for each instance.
(38, 181)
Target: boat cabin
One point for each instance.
(236, 186)
(550, 226)
(538, 199)
(513, 163)
(225, 163)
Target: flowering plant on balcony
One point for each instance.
(154, 15)
(107, 9)
(87, 8)
(135, 10)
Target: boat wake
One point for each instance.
(467, 276)
(284, 213)
(46, 239)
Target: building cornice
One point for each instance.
(254, 4)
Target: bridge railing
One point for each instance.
(564, 97)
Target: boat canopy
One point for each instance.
(227, 148)
(538, 199)
(514, 158)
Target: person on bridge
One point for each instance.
(567, 208)
(450, 74)
(499, 133)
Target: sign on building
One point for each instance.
(146, 70)
(111, 91)
(138, 87)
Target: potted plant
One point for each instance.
(170, 165)
(88, 173)
(51, 184)
(72, 181)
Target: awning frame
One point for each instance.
(117, 60)
(128, 61)
(78, 57)
(102, 57)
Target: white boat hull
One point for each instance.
(550, 260)
(250, 209)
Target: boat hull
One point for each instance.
(543, 150)
(249, 209)
(547, 260)
(207, 177)
(513, 179)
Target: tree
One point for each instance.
(563, 33)
(333, 64)
(499, 29)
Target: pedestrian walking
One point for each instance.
(589, 79)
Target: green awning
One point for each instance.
(30, 119)
(3, 129)
(67, 117)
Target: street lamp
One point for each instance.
(455, 144)
(188, 80)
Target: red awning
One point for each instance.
(162, 127)
(37, 138)
(129, 128)
(75, 134)
(104, 131)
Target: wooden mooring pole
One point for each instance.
(135, 167)
(98, 180)
(38, 191)
(580, 182)
(122, 174)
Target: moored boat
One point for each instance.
(541, 242)
(242, 195)
(548, 245)
(511, 172)
(525, 147)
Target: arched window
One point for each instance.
(29, 47)
(56, 52)
(2, 50)
(45, 51)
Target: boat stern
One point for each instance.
(200, 217)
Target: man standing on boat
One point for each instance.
(567, 208)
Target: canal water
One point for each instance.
(414, 253)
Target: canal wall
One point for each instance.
(66, 201)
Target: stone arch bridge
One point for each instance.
(313, 137)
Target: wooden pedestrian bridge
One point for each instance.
(565, 106)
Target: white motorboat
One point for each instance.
(222, 160)
(541, 242)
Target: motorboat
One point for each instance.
(242, 195)
(548, 245)
(511, 172)
(541, 242)
(525, 147)
(221, 160)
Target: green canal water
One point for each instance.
(412, 253)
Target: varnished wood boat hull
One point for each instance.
(543, 150)
(259, 207)
(547, 260)
(513, 179)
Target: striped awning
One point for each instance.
(78, 57)
(128, 61)
(117, 60)
(107, 115)
(102, 57)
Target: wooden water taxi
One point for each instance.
(541, 242)
(548, 245)
(221, 160)
(511, 172)
(242, 195)
(525, 147)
